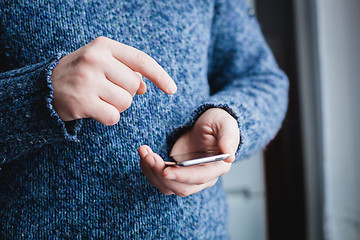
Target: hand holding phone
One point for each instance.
(196, 158)
(216, 131)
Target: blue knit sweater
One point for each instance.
(81, 179)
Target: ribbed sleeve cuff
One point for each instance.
(69, 129)
(27, 116)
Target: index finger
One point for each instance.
(198, 174)
(140, 62)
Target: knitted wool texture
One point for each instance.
(82, 180)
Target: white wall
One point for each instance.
(244, 185)
(339, 48)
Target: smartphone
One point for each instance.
(196, 158)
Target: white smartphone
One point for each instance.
(196, 158)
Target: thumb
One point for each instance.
(228, 144)
(229, 139)
(144, 150)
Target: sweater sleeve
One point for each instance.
(27, 118)
(244, 78)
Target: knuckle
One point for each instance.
(143, 60)
(90, 53)
(184, 193)
(88, 56)
(100, 40)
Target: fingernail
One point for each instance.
(139, 75)
(144, 151)
(152, 162)
(172, 88)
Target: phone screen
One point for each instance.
(190, 159)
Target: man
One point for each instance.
(75, 107)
